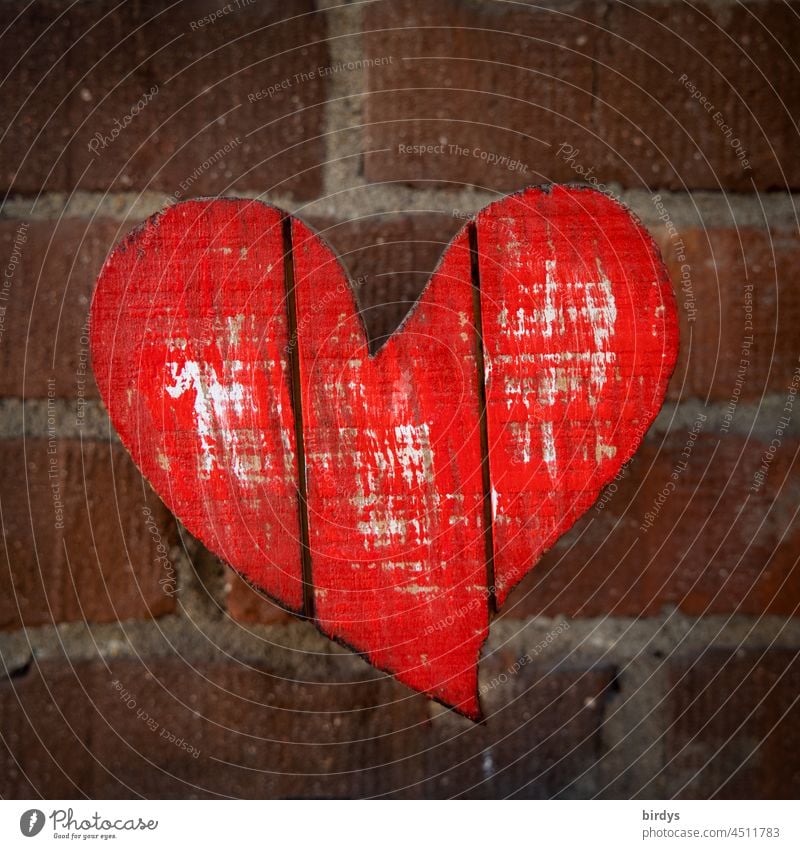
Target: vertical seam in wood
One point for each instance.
(297, 414)
(477, 318)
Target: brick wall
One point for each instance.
(662, 631)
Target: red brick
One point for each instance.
(93, 560)
(390, 258)
(261, 735)
(48, 304)
(602, 78)
(246, 604)
(722, 262)
(34, 111)
(733, 728)
(101, 60)
(715, 546)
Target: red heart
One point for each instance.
(409, 492)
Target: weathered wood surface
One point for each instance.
(189, 338)
(394, 475)
(580, 335)
(368, 490)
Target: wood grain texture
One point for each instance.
(580, 339)
(189, 339)
(394, 479)
(229, 350)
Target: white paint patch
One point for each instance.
(382, 530)
(235, 323)
(604, 452)
(602, 313)
(219, 405)
(414, 453)
(549, 449)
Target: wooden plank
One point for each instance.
(580, 337)
(189, 340)
(394, 475)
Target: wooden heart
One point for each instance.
(395, 496)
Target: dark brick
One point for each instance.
(714, 547)
(587, 572)
(506, 79)
(101, 60)
(390, 259)
(717, 546)
(261, 735)
(258, 735)
(742, 57)
(604, 78)
(48, 304)
(734, 724)
(94, 559)
(542, 735)
(35, 110)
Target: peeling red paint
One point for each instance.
(193, 356)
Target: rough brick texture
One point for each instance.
(281, 738)
(390, 259)
(520, 80)
(246, 604)
(640, 94)
(714, 545)
(722, 263)
(77, 542)
(92, 65)
(734, 722)
(465, 74)
(48, 306)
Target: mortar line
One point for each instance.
(358, 198)
(343, 106)
(581, 641)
